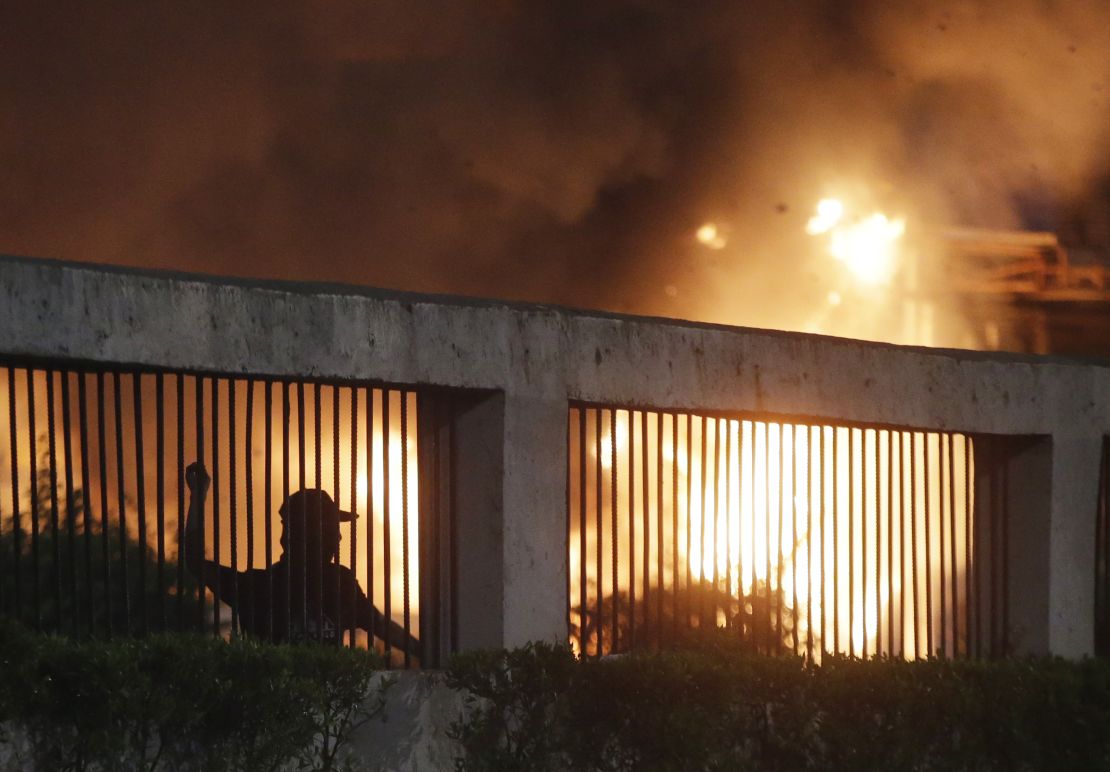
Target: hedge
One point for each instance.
(180, 703)
(715, 705)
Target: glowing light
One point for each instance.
(829, 213)
(710, 235)
(782, 515)
(834, 298)
(867, 246)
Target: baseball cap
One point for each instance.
(313, 500)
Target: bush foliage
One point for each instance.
(716, 705)
(180, 703)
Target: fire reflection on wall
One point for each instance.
(795, 536)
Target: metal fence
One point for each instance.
(94, 526)
(796, 535)
(1102, 556)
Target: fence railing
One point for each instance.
(96, 535)
(798, 535)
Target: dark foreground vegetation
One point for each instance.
(197, 703)
(180, 703)
(714, 705)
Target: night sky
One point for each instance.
(556, 151)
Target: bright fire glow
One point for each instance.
(866, 245)
(820, 517)
(710, 235)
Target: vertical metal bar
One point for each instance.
(941, 520)
(352, 623)
(674, 525)
(160, 492)
(979, 446)
(715, 539)
(876, 465)
(614, 645)
(302, 483)
(913, 545)
(809, 542)
(387, 517)
(863, 538)
(890, 539)
(71, 516)
(780, 638)
(851, 541)
(928, 550)
(51, 444)
(17, 524)
(199, 418)
(952, 543)
(140, 495)
(105, 562)
(217, 592)
(599, 618)
(728, 523)
(232, 502)
(836, 536)
(689, 520)
(793, 532)
(825, 533)
(904, 594)
(753, 597)
(34, 486)
(631, 529)
(180, 469)
(370, 503)
(660, 541)
(583, 597)
(405, 516)
(316, 562)
(338, 502)
(267, 504)
(121, 492)
(645, 498)
(86, 497)
(571, 460)
(248, 461)
(287, 556)
(969, 566)
(703, 462)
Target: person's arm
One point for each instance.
(192, 550)
(375, 623)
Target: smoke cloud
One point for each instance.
(560, 151)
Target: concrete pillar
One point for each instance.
(509, 502)
(1074, 510)
(478, 459)
(1023, 472)
(535, 520)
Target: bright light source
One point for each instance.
(867, 246)
(710, 235)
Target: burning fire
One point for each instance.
(757, 510)
(868, 246)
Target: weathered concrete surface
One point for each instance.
(539, 357)
(413, 733)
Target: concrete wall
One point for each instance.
(537, 358)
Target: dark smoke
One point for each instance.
(560, 151)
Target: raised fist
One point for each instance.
(196, 477)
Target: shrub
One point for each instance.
(181, 702)
(717, 705)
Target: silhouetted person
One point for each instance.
(306, 594)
